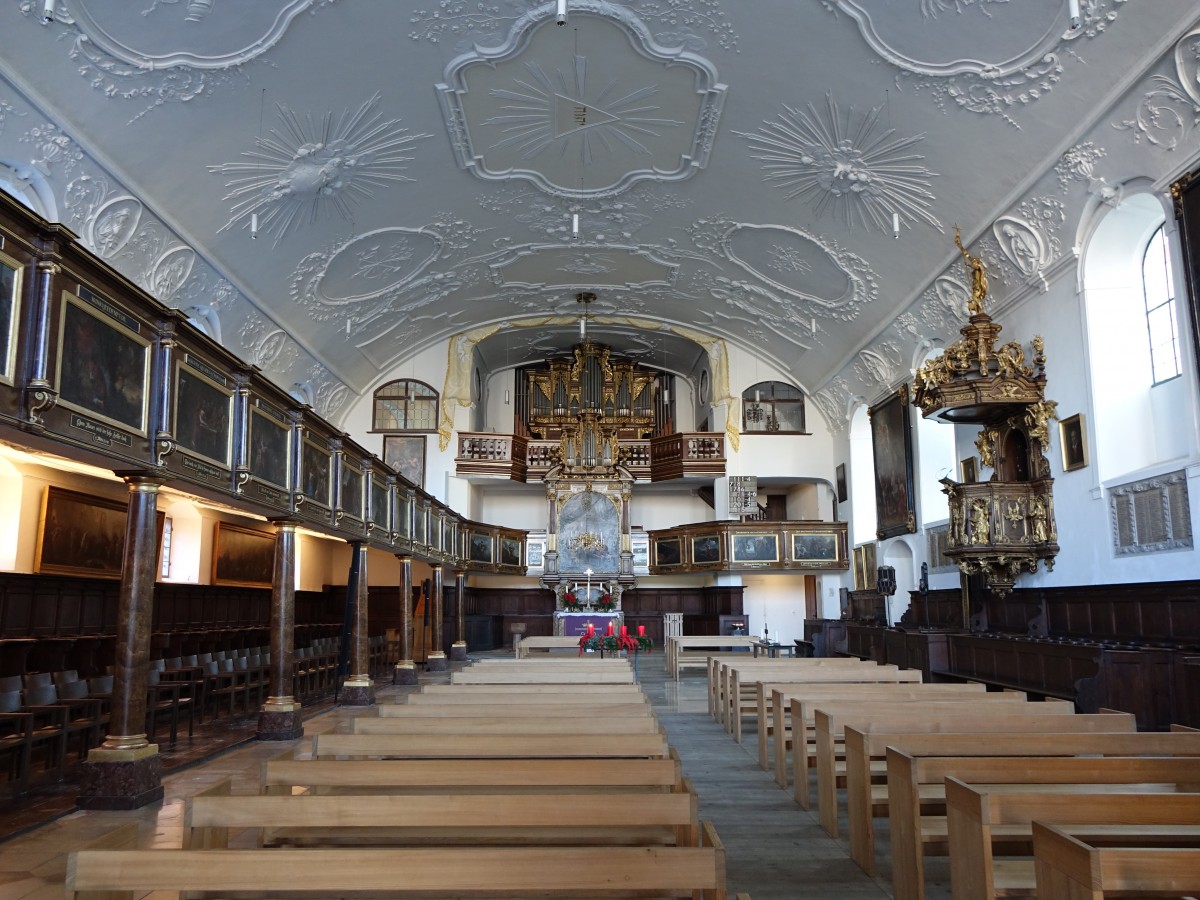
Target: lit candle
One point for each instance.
(591, 629)
(641, 631)
(610, 627)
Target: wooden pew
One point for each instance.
(774, 718)
(285, 774)
(560, 707)
(601, 675)
(467, 872)
(686, 651)
(829, 724)
(1108, 734)
(542, 663)
(514, 818)
(975, 812)
(536, 724)
(914, 779)
(489, 746)
(719, 673)
(1069, 868)
(543, 644)
(525, 693)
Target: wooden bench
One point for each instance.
(560, 706)
(467, 872)
(719, 671)
(599, 675)
(830, 722)
(513, 818)
(543, 644)
(489, 746)
(523, 693)
(1069, 868)
(774, 717)
(285, 774)
(642, 722)
(974, 813)
(692, 650)
(912, 780)
(866, 798)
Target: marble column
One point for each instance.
(279, 719)
(125, 771)
(458, 650)
(436, 661)
(406, 670)
(357, 689)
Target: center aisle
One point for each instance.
(775, 850)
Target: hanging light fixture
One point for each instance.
(560, 14)
(584, 297)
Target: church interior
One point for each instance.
(344, 345)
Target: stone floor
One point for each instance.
(775, 850)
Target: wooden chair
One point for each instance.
(45, 729)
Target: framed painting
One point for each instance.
(420, 521)
(814, 547)
(706, 549)
(843, 489)
(403, 518)
(10, 308)
(754, 548)
(242, 557)
(103, 364)
(350, 495)
(315, 462)
(269, 443)
(405, 453)
(968, 470)
(891, 438)
(668, 551)
(83, 535)
(510, 551)
(479, 547)
(202, 414)
(379, 505)
(1073, 437)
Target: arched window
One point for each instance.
(774, 407)
(1161, 322)
(405, 405)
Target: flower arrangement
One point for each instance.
(570, 602)
(614, 643)
(606, 603)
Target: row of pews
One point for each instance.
(545, 777)
(1027, 799)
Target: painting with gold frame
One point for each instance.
(350, 493)
(706, 549)
(315, 463)
(203, 409)
(865, 575)
(83, 535)
(379, 504)
(479, 547)
(668, 551)
(1072, 435)
(510, 551)
(10, 308)
(891, 440)
(269, 444)
(968, 470)
(242, 557)
(820, 547)
(754, 548)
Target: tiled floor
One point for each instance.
(776, 851)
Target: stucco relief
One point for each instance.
(1028, 238)
(600, 218)
(54, 153)
(1170, 111)
(310, 165)
(834, 401)
(881, 367)
(581, 123)
(851, 166)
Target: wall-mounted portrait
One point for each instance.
(843, 489)
(405, 453)
(479, 547)
(242, 557)
(10, 303)
(351, 496)
(668, 551)
(1073, 437)
(891, 438)
(103, 366)
(510, 551)
(814, 547)
(202, 411)
(83, 535)
(315, 463)
(379, 505)
(706, 548)
(269, 443)
(754, 548)
(968, 470)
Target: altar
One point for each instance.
(574, 624)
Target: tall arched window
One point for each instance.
(1161, 321)
(405, 405)
(772, 406)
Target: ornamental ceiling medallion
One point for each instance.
(1005, 525)
(581, 112)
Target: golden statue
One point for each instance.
(979, 282)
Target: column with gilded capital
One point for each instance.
(357, 689)
(125, 771)
(406, 670)
(279, 719)
(436, 661)
(458, 650)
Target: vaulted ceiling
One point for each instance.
(785, 174)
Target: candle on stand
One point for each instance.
(641, 631)
(591, 629)
(610, 627)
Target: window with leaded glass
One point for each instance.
(405, 405)
(773, 407)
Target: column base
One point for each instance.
(458, 651)
(121, 779)
(280, 724)
(404, 673)
(436, 662)
(356, 694)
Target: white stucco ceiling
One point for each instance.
(736, 165)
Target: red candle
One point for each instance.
(591, 629)
(641, 631)
(624, 631)
(610, 627)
